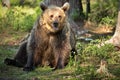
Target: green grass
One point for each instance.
(84, 68)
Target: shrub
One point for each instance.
(19, 18)
(104, 11)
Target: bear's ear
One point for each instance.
(43, 6)
(66, 6)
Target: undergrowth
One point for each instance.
(82, 67)
(19, 18)
(104, 12)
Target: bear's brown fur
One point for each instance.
(50, 42)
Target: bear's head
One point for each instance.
(54, 17)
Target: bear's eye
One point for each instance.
(51, 16)
(60, 16)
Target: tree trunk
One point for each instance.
(76, 7)
(87, 7)
(55, 2)
(115, 40)
(21, 2)
(80, 6)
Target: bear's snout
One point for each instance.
(55, 24)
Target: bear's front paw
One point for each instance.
(58, 67)
(28, 68)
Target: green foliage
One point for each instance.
(24, 18)
(106, 52)
(91, 55)
(107, 20)
(14, 2)
(5, 52)
(87, 73)
(104, 11)
(76, 15)
(102, 52)
(19, 18)
(26, 2)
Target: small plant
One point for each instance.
(107, 21)
(102, 52)
(87, 72)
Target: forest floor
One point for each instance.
(9, 41)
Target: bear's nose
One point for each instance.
(55, 24)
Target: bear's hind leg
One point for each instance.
(20, 58)
(12, 62)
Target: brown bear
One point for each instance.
(50, 42)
